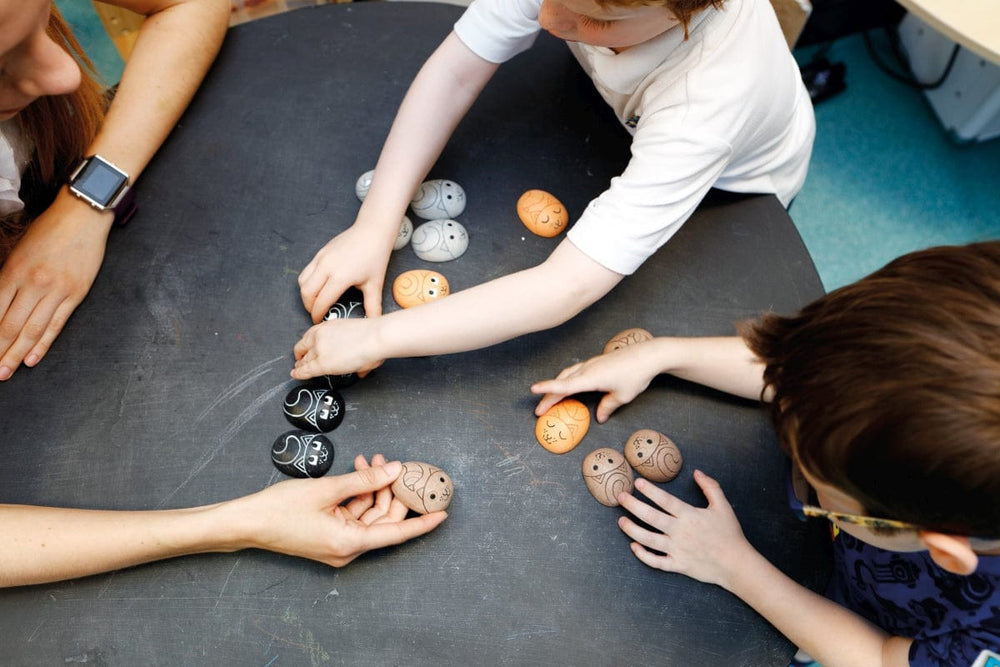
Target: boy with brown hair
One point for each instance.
(886, 396)
(707, 88)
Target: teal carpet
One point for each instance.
(90, 31)
(885, 178)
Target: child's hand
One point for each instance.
(706, 544)
(337, 347)
(623, 374)
(355, 257)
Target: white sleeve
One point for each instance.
(498, 30)
(671, 170)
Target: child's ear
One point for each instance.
(951, 552)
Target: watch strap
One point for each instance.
(126, 207)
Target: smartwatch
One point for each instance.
(104, 186)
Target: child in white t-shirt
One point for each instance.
(711, 94)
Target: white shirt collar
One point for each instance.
(623, 72)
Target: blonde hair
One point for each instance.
(60, 128)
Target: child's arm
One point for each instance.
(725, 364)
(337, 519)
(707, 544)
(439, 97)
(531, 300)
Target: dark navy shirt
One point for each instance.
(951, 618)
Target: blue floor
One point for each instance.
(885, 178)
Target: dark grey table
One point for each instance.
(165, 389)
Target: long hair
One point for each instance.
(889, 388)
(60, 128)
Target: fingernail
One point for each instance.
(5, 373)
(31, 360)
(393, 467)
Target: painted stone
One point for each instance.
(351, 305)
(438, 198)
(363, 184)
(542, 213)
(405, 233)
(418, 286)
(626, 338)
(302, 454)
(314, 409)
(423, 488)
(563, 426)
(607, 473)
(440, 240)
(653, 455)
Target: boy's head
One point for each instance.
(617, 24)
(889, 389)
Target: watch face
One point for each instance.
(99, 181)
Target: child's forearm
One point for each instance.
(830, 633)
(43, 544)
(723, 363)
(437, 100)
(531, 300)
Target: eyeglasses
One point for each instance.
(799, 491)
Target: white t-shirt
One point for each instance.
(724, 108)
(14, 154)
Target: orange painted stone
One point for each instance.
(653, 455)
(542, 213)
(418, 286)
(563, 426)
(607, 473)
(626, 338)
(423, 487)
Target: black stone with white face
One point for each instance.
(302, 454)
(314, 408)
(351, 305)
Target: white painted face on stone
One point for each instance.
(364, 184)
(328, 408)
(405, 233)
(314, 409)
(440, 240)
(300, 454)
(438, 198)
(350, 305)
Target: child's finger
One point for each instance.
(606, 407)
(373, 299)
(712, 490)
(304, 344)
(647, 538)
(653, 560)
(667, 502)
(547, 402)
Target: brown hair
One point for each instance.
(60, 128)
(684, 10)
(889, 389)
